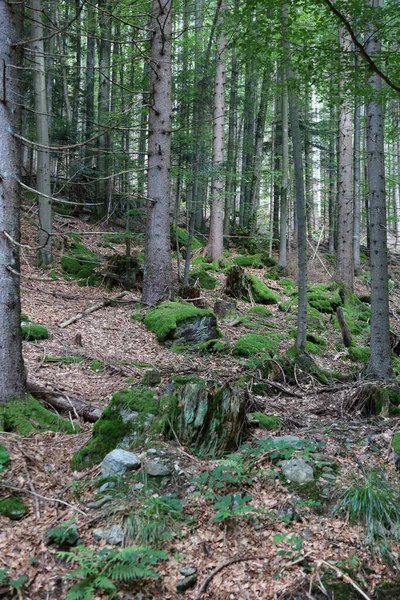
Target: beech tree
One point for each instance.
(12, 379)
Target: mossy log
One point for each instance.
(211, 421)
(65, 403)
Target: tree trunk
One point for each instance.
(231, 154)
(89, 84)
(345, 259)
(215, 244)
(357, 176)
(284, 181)
(380, 364)
(43, 183)
(12, 379)
(157, 283)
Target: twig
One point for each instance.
(205, 583)
(344, 576)
(93, 308)
(25, 491)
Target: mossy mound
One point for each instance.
(251, 344)
(151, 378)
(358, 354)
(123, 421)
(33, 332)
(260, 310)
(288, 285)
(182, 236)
(181, 323)
(357, 319)
(251, 261)
(261, 292)
(268, 422)
(13, 508)
(28, 416)
(81, 262)
(215, 347)
(24, 318)
(207, 281)
(201, 262)
(324, 297)
(396, 442)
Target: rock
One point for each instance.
(297, 470)
(99, 503)
(186, 583)
(156, 468)
(118, 461)
(307, 534)
(289, 440)
(62, 536)
(222, 308)
(13, 508)
(187, 571)
(113, 535)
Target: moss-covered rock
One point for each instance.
(182, 235)
(260, 310)
(207, 281)
(359, 354)
(181, 324)
(261, 292)
(251, 344)
(251, 261)
(324, 297)
(81, 262)
(28, 416)
(396, 442)
(33, 332)
(13, 508)
(122, 423)
(269, 422)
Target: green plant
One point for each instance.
(63, 535)
(229, 474)
(232, 506)
(292, 544)
(154, 519)
(373, 501)
(4, 458)
(7, 581)
(102, 571)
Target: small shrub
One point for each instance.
(4, 458)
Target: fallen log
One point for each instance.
(93, 308)
(65, 402)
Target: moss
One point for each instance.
(137, 316)
(164, 319)
(28, 416)
(251, 344)
(359, 354)
(63, 359)
(75, 237)
(117, 423)
(92, 281)
(96, 365)
(356, 318)
(79, 267)
(215, 347)
(261, 293)
(252, 261)
(315, 339)
(184, 379)
(24, 317)
(13, 508)
(180, 234)
(396, 442)
(259, 388)
(34, 332)
(269, 422)
(151, 378)
(207, 281)
(53, 275)
(324, 297)
(260, 310)
(313, 348)
(287, 284)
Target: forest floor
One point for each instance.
(278, 558)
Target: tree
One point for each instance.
(157, 283)
(12, 380)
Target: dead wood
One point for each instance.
(93, 308)
(344, 328)
(65, 402)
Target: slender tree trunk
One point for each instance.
(12, 378)
(248, 143)
(89, 84)
(103, 142)
(380, 364)
(357, 180)
(230, 154)
(301, 336)
(308, 161)
(331, 184)
(215, 244)
(284, 181)
(345, 240)
(157, 283)
(43, 181)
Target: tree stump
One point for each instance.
(213, 421)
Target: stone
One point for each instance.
(118, 461)
(98, 503)
(297, 470)
(13, 508)
(186, 583)
(113, 535)
(156, 468)
(187, 571)
(62, 536)
(290, 440)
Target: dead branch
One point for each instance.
(65, 402)
(92, 309)
(25, 491)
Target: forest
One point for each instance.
(199, 299)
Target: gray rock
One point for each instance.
(118, 462)
(186, 583)
(297, 470)
(157, 468)
(61, 536)
(329, 476)
(287, 439)
(113, 535)
(307, 534)
(187, 571)
(99, 503)
(108, 485)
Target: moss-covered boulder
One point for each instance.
(180, 235)
(252, 343)
(359, 354)
(28, 416)
(121, 425)
(268, 422)
(32, 332)
(13, 508)
(181, 324)
(324, 297)
(207, 281)
(248, 287)
(81, 262)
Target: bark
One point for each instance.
(43, 182)
(89, 83)
(215, 241)
(12, 379)
(230, 184)
(157, 283)
(380, 365)
(65, 402)
(301, 336)
(331, 184)
(345, 259)
(248, 144)
(357, 178)
(284, 182)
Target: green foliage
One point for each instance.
(4, 458)
(96, 365)
(251, 344)
(137, 316)
(34, 332)
(63, 535)
(13, 508)
(396, 442)
(370, 499)
(182, 235)
(291, 544)
(260, 310)
(261, 293)
(214, 347)
(155, 519)
(252, 261)
(207, 281)
(7, 581)
(324, 297)
(164, 319)
(24, 317)
(281, 449)
(269, 422)
(358, 354)
(102, 571)
(111, 428)
(233, 506)
(81, 262)
(28, 416)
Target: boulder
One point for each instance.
(113, 535)
(117, 462)
(297, 470)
